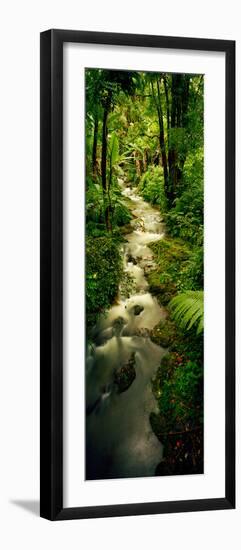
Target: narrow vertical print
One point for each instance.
(144, 273)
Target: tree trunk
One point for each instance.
(104, 149)
(104, 162)
(179, 108)
(162, 141)
(94, 150)
(167, 105)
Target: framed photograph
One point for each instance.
(137, 274)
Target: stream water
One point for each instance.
(119, 439)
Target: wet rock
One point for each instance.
(157, 424)
(143, 332)
(118, 324)
(137, 309)
(148, 267)
(163, 291)
(127, 285)
(125, 375)
(131, 259)
(164, 333)
(126, 229)
(103, 336)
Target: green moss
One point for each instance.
(172, 257)
(164, 291)
(164, 333)
(126, 229)
(103, 274)
(157, 424)
(164, 372)
(168, 250)
(178, 389)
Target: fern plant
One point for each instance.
(188, 309)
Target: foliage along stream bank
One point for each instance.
(145, 135)
(178, 383)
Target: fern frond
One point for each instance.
(188, 310)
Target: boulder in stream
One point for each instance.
(137, 309)
(164, 334)
(142, 332)
(118, 324)
(125, 375)
(131, 259)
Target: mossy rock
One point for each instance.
(169, 250)
(126, 229)
(164, 333)
(157, 424)
(125, 375)
(171, 257)
(127, 285)
(131, 259)
(118, 325)
(163, 373)
(163, 291)
(137, 309)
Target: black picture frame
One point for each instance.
(51, 324)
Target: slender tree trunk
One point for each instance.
(95, 140)
(161, 138)
(104, 148)
(145, 160)
(104, 162)
(179, 109)
(167, 104)
(137, 163)
(172, 154)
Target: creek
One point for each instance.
(119, 438)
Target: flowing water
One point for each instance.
(119, 438)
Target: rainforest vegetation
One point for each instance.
(144, 133)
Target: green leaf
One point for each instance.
(188, 309)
